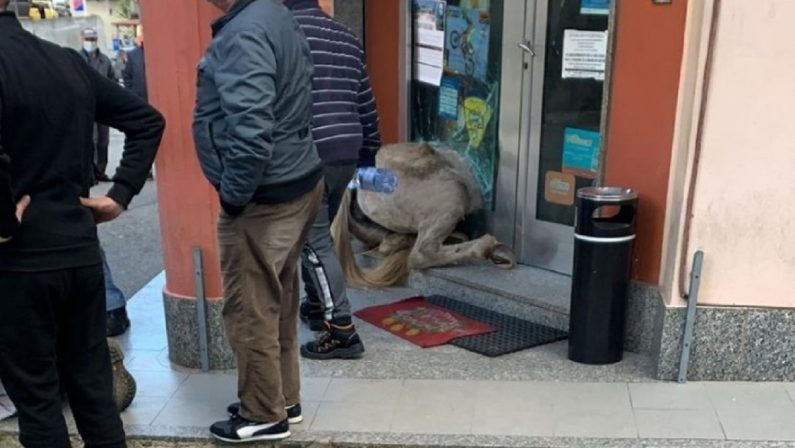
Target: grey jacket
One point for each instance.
(101, 63)
(252, 121)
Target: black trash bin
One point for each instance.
(604, 235)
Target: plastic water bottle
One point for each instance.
(379, 180)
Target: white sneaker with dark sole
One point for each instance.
(239, 430)
(295, 415)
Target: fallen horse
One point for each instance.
(414, 227)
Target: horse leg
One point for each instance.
(430, 251)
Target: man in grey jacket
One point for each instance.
(252, 129)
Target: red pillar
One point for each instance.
(177, 33)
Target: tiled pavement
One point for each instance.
(448, 397)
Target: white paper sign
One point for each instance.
(428, 74)
(430, 56)
(426, 34)
(584, 54)
(428, 51)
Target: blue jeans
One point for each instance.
(114, 298)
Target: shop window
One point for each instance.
(455, 92)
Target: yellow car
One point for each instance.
(42, 10)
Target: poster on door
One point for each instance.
(467, 42)
(584, 54)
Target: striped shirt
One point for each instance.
(345, 119)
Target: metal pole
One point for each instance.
(690, 318)
(201, 309)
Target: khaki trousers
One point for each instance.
(259, 253)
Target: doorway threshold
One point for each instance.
(531, 293)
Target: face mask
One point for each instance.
(90, 47)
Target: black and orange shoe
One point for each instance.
(336, 342)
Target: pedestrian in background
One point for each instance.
(134, 73)
(101, 63)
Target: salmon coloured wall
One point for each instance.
(645, 82)
(382, 45)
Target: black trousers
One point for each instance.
(102, 142)
(52, 338)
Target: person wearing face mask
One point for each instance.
(102, 64)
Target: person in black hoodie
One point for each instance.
(52, 295)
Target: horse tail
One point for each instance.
(391, 271)
(341, 233)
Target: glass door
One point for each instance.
(564, 51)
(455, 88)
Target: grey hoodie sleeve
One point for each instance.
(246, 82)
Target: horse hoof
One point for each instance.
(502, 257)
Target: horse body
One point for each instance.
(435, 192)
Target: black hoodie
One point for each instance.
(49, 101)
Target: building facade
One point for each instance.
(672, 98)
(669, 98)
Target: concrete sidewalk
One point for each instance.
(402, 395)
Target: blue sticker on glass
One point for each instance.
(595, 7)
(448, 98)
(581, 152)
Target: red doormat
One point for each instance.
(422, 323)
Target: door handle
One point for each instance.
(527, 47)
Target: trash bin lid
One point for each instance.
(607, 194)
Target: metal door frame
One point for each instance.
(538, 243)
(502, 221)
